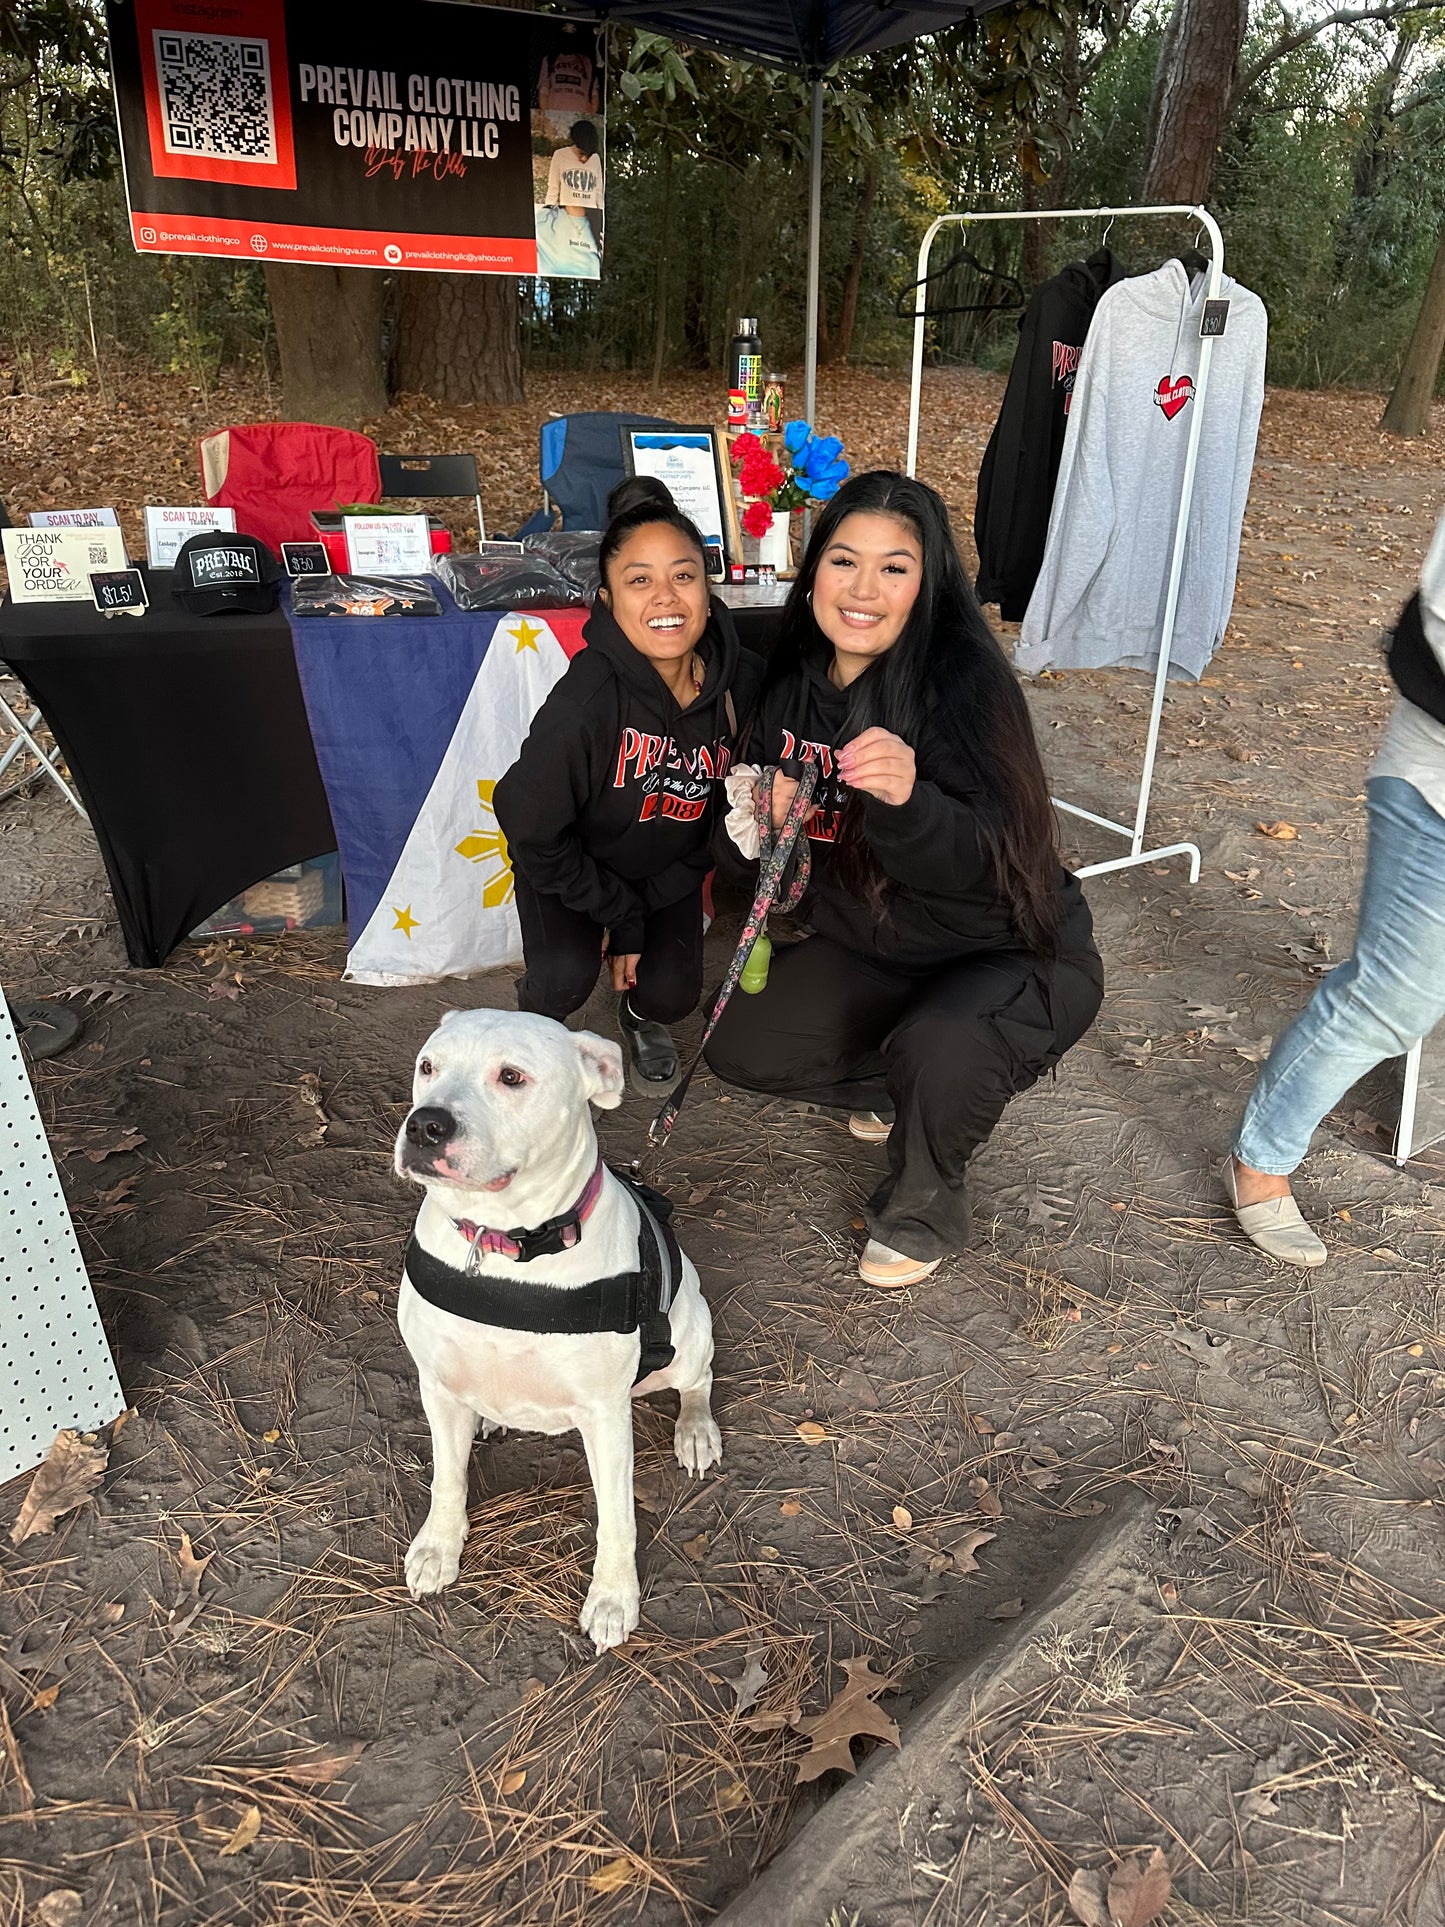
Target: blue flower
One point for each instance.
(824, 491)
(795, 434)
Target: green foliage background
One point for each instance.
(1041, 103)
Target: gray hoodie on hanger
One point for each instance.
(1099, 599)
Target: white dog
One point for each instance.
(500, 1135)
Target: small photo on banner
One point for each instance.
(447, 909)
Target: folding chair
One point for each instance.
(428, 476)
(23, 741)
(580, 463)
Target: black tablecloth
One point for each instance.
(188, 742)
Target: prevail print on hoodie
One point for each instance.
(1100, 595)
(609, 805)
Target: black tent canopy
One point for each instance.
(806, 36)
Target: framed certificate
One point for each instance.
(689, 463)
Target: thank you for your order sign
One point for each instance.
(375, 137)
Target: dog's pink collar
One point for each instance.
(535, 1241)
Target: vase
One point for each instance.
(774, 548)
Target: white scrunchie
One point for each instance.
(741, 821)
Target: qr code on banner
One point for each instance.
(216, 96)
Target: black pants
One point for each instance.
(562, 949)
(946, 1050)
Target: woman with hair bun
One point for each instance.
(608, 810)
(951, 959)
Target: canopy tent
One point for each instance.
(806, 36)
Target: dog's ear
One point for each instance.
(601, 1068)
(447, 1016)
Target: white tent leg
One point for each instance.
(815, 248)
(1137, 852)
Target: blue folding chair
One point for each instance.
(580, 463)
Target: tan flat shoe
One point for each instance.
(1276, 1227)
(891, 1270)
(868, 1126)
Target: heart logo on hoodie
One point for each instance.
(1172, 394)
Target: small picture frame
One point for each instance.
(305, 558)
(119, 592)
(689, 462)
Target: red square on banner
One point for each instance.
(218, 104)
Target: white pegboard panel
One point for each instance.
(55, 1365)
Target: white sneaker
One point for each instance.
(868, 1126)
(891, 1270)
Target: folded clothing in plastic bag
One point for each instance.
(507, 582)
(573, 554)
(363, 595)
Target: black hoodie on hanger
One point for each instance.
(610, 802)
(1021, 463)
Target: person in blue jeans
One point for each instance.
(1391, 992)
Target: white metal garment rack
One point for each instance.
(1133, 832)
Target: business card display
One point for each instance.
(168, 529)
(388, 544)
(55, 565)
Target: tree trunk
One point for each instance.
(1408, 410)
(459, 338)
(842, 340)
(1192, 87)
(328, 339)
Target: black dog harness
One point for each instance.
(629, 1301)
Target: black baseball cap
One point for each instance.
(215, 573)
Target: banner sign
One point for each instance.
(443, 136)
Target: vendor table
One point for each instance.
(189, 741)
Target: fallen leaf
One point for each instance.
(1087, 1899)
(97, 994)
(1137, 1054)
(320, 1765)
(188, 1593)
(612, 1876)
(1210, 1348)
(1281, 832)
(1414, 1351)
(1211, 1013)
(245, 1833)
(1005, 1609)
(1255, 1053)
(45, 1699)
(985, 1499)
(61, 1907)
(749, 1683)
(97, 1145)
(731, 1797)
(851, 1714)
(1139, 1890)
(66, 1478)
(811, 1433)
(513, 1782)
(696, 1549)
(1259, 1804)
(272, 1436)
(903, 1518)
(963, 1552)
(112, 1201)
(983, 1426)
(790, 1508)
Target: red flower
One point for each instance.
(744, 445)
(760, 474)
(757, 518)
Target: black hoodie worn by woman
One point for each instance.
(610, 804)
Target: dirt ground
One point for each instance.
(1259, 1696)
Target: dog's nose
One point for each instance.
(429, 1127)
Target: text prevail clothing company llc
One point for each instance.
(372, 109)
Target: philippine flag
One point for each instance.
(415, 722)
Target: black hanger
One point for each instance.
(1193, 262)
(1011, 284)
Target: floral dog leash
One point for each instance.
(774, 853)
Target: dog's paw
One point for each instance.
(697, 1442)
(491, 1431)
(432, 1561)
(610, 1613)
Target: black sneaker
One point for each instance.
(45, 1029)
(654, 1055)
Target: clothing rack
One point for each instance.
(1134, 832)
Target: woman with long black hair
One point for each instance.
(950, 960)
